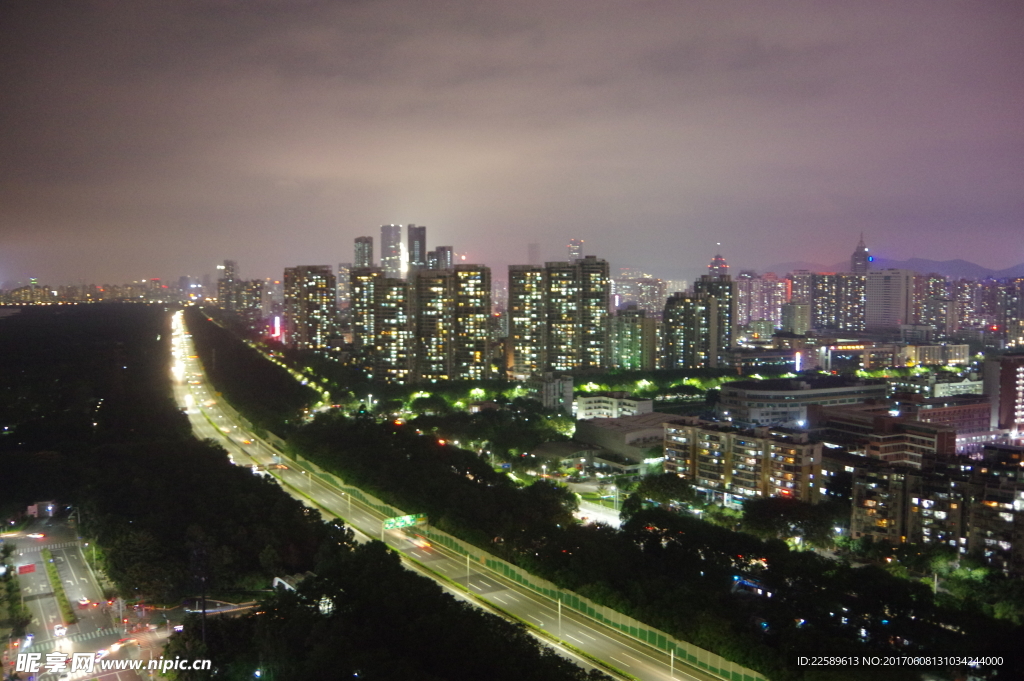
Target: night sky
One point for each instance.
(155, 139)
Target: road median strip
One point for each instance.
(66, 611)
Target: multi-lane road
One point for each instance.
(98, 627)
(212, 419)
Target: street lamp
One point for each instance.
(544, 470)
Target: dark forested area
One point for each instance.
(364, 616)
(89, 421)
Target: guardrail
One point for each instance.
(688, 653)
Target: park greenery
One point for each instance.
(175, 519)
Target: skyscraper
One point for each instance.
(889, 299)
(364, 252)
(471, 313)
(393, 356)
(526, 319)
(309, 296)
(344, 285)
(575, 249)
(227, 286)
(417, 238)
(364, 293)
(633, 340)
(576, 314)
(441, 258)
(860, 258)
(720, 289)
(391, 250)
(718, 266)
(690, 332)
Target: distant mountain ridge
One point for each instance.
(955, 269)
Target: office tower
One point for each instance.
(719, 287)
(441, 258)
(364, 252)
(394, 346)
(533, 255)
(575, 249)
(344, 285)
(633, 340)
(796, 318)
(526, 319)
(860, 258)
(718, 266)
(227, 286)
(391, 250)
(889, 299)
(309, 292)
(471, 313)
(690, 332)
(417, 238)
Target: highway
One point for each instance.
(562, 628)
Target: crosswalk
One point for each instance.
(99, 633)
(58, 545)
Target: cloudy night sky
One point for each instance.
(155, 139)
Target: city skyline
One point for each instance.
(159, 139)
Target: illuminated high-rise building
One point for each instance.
(577, 296)
(720, 288)
(526, 319)
(391, 250)
(575, 249)
(362, 313)
(837, 302)
(595, 293)
(344, 277)
(860, 259)
(801, 286)
(433, 325)
(889, 301)
(441, 258)
(633, 340)
(718, 266)
(417, 238)
(471, 314)
(394, 346)
(227, 286)
(310, 313)
(364, 252)
(690, 332)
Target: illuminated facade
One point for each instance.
(526, 309)
(393, 340)
(363, 252)
(729, 465)
(364, 282)
(391, 250)
(433, 325)
(471, 315)
(576, 314)
(633, 337)
(309, 295)
(689, 332)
